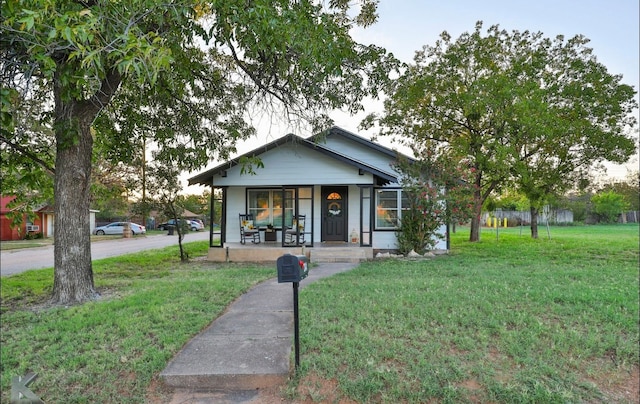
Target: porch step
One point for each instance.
(340, 254)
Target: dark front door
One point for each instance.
(334, 213)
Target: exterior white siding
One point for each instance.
(360, 152)
(386, 240)
(353, 211)
(235, 205)
(295, 165)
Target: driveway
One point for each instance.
(16, 261)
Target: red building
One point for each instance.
(41, 224)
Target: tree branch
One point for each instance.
(91, 107)
(49, 170)
(108, 88)
(253, 77)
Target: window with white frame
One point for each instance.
(266, 206)
(389, 206)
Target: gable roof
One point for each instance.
(314, 143)
(337, 131)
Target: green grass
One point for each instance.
(109, 351)
(19, 244)
(514, 320)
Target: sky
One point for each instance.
(405, 26)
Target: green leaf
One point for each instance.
(27, 22)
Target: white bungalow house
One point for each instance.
(334, 190)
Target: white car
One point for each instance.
(118, 228)
(195, 225)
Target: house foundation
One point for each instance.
(236, 252)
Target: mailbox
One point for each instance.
(292, 268)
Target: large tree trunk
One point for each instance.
(474, 235)
(73, 274)
(534, 222)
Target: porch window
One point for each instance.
(266, 206)
(389, 206)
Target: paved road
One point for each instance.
(16, 261)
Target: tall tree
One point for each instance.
(144, 61)
(512, 106)
(572, 116)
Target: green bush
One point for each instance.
(608, 206)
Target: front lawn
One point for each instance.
(514, 320)
(111, 350)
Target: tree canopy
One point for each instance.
(513, 107)
(181, 74)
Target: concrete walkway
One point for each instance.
(246, 349)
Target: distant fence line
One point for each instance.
(556, 216)
(516, 217)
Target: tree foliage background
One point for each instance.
(521, 110)
(180, 75)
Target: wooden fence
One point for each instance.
(556, 216)
(516, 218)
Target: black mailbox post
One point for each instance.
(293, 268)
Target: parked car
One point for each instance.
(191, 225)
(118, 228)
(196, 224)
(199, 221)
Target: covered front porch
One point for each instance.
(265, 252)
(334, 197)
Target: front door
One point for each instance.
(334, 213)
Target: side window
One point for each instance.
(389, 206)
(386, 209)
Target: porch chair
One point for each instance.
(248, 231)
(296, 231)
